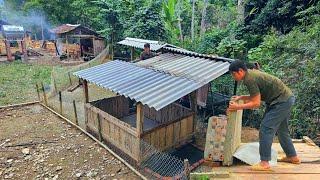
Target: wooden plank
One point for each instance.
(183, 129)
(86, 93)
(169, 136)
(190, 125)
(233, 135)
(99, 127)
(140, 119)
(176, 132)
(162, 138)
(308, 141)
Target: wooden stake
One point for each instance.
(139, 123)
(37, 87)
(60, 100)
(139, 119)
(132, 51)
(54, 83)
(44, 95)
(85, 88)
(99, 127)
(75, 112)
(70, 78)
(187, 168)
(193, 101)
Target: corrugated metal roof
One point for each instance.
(139, 43)
(64, 28)
(191, 53)
(155, 89)
(197, 69)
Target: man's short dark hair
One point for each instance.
(236, 65)
(146, 45)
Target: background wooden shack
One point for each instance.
(78, 40)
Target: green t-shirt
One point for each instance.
(271, 88)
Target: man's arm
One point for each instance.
(251, 102)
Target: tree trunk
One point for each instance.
(203, 19)
(192, 20)
(240, 9)
(179, 20)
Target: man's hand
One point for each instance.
(233, 106)
(235, 98)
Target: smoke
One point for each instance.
(33, 21)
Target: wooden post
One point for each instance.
(85, 88)
(187, 168)
(99, 127)
(37, 87)
(8, 50)
(75, 112)
(24, 50)
(44, 94)
(60, 100)
(132, 55)
(193, 102)
(54, 83)
(70, 78)
(139, 123)
(140, 119)
(233, 135)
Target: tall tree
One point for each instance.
(203, 18)
(179, 10)
(147, 23)
(192, 20)
(240, 10)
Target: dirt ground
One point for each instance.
(36, 144)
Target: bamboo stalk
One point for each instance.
(37, 87)
(70, 81)
(44, 95)
(99, 127)
(75, 112)
(60, 101)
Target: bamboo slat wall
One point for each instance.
(170, 135)
(113, 130)
(103, 120)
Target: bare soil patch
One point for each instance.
(36, 144)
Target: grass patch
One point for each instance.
(17, 81)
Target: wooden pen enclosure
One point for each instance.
(111, 120)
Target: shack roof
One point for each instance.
(155, 84)
(12, 33)
(66, 28)
(139, 43)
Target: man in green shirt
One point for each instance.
(279, 100)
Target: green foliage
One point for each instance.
(295, 59)
(230, 47)
(280, 14)
(211, 40)
(147, 23)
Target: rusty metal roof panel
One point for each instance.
(155, 89)
(198, 69)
